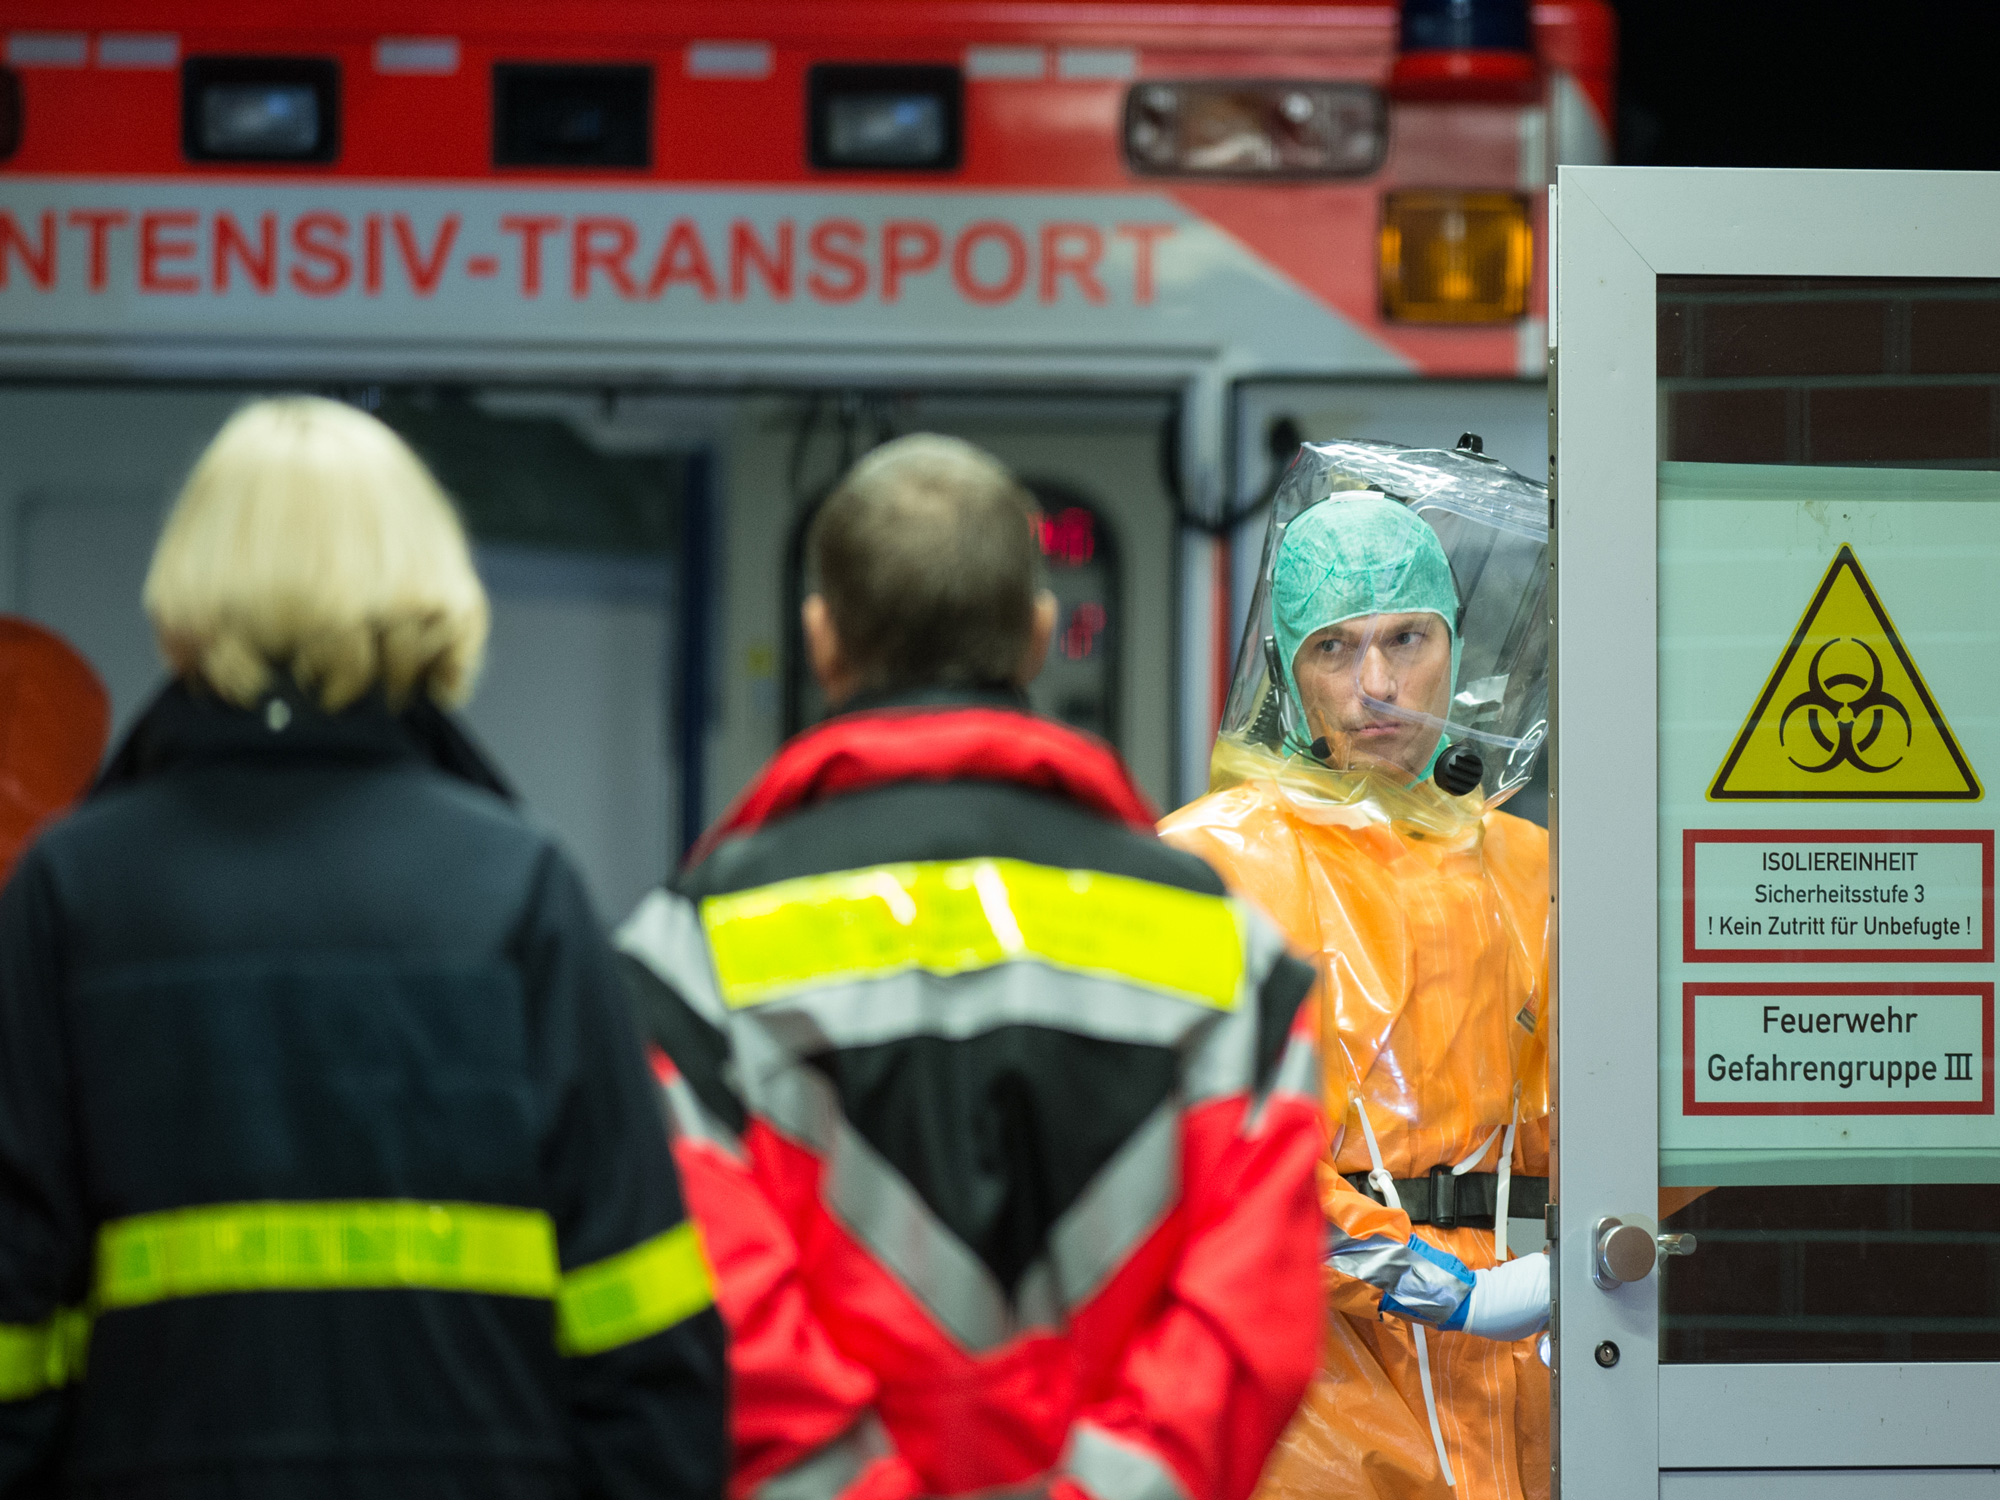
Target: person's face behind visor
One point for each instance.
(1398, 660)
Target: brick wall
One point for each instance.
(1830, 371)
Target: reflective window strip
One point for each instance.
(634, 1294)
(249, 1247)
(958, 916)
(38, 1357)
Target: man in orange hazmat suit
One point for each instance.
(1382, 709)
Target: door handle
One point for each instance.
(1622, 1253)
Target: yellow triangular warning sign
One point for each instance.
(1845, 716)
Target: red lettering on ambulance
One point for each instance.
(1080, 264)
(39, 261)
(587, 255)
(833, 243)
(926, 245)
(371, 255)
(989, 293)
(424, 271)
(682, 258)
(1143, 238)
(746, 250)
(98, 222)
(531, 228)
(155, 248)
(259, 261)
(321, 239)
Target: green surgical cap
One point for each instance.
(1345, 558)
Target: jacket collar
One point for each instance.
(935, 735)
(183, 726)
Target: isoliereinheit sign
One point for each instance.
(1794, 895)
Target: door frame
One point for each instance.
(1615, 230)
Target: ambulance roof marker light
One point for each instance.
(1016, 64)
(417, 56)
(139, 51)
(717, 59)
(1466, 51)
(1096, 64)
(48, 49)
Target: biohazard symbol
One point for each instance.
(1845, 715)
(1871, 706)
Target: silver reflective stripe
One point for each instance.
(1297, 1072)
(826, 1471)
(1378, 1260)
(875, 1201)
(1223, 1060)
(1423, 1290)
(1127, 1199)
(796, 1100)
(692, 1120)
(1020, 992)
(1112, 1468)
(1295, 1077)
(664, 933)
(1123, 1203)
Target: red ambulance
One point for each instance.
(639, 279)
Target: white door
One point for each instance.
(1777, 678)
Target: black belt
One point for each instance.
(1464, 1202)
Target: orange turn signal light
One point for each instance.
(1455, 257)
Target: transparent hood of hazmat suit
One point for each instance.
(1399, 632)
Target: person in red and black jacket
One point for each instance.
(998, 1114)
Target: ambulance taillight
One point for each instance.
(1455, 257)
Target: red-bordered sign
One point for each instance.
(1979, 952)
(1983, 1105)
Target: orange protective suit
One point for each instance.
(1428, 924)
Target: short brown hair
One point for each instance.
(926, 559)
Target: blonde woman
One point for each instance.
(329, 1164)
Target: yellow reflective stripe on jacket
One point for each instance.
(250, 1247)
(951, 917)
(451, 1247)
(634, 1294)
(38, 1357)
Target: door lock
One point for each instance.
(1622, 1252)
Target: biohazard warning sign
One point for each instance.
(1846, 715)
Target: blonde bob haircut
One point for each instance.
(310, 542)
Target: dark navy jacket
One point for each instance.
(329, 1162)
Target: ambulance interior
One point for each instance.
(643, 548)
